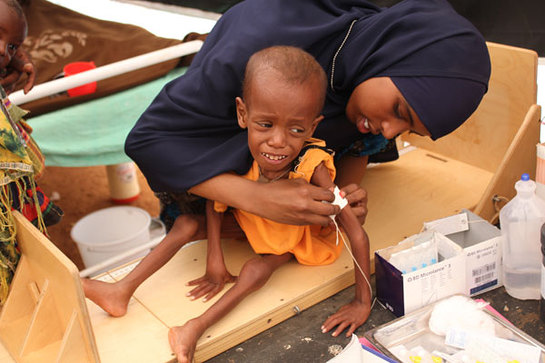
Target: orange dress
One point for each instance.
(311, 245)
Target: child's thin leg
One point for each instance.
(254, 274)
(114, 297)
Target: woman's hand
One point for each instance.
(20, 64)
(289, 201)
(295, 202)
(357, 198)
(350, 316)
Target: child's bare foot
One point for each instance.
(109, 296)
(183, 340)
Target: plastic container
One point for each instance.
(78, 67)
(520, 221)
(108, 232)
(123, 182)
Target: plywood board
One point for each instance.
(46, 307)
(5, 357)
(520, 157)
(164, 296)
(137, 337)
(483, 140)
(418, 187)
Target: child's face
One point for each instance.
(279, 117)
(12, 34)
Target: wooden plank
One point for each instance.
(16, 314)
(71, 350)
(44, 317)
(137, 337)
(483, 140)
(418, 187)
(38, 328)
(520, 158)
(5, 357)
(164, 295)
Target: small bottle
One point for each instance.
(123, 182)
(520, 222)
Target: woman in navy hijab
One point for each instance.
(417, 65)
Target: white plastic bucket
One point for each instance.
(108, 232)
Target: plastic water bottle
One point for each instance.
(520, 221)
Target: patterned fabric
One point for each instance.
(366, 145)
(311, 245)
(20, 161)
(175, 204)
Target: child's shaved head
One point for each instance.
(293, 65)
(15, 6)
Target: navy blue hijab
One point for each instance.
(189, 133)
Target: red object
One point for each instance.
(78, 67)
(126, 200)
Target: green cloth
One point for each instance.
(94, 132)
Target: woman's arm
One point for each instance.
(285, 201)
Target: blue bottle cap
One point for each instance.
(525, 177)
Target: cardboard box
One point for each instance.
(406, 292)
(471, 267)
(483, 250)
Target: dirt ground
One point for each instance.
(81, 191)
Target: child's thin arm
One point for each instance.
(355, 313)
(216, 275)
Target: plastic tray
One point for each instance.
(412, 330)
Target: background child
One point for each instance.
(283, 94)
(21, 161)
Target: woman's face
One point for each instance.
(376, 106)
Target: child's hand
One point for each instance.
(20, 64)
(211, 283)
(349, 316)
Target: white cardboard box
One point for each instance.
(406, 292)
(483, 251)
(469, 263)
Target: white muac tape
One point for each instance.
(340, 201)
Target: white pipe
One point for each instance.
(113, 69)
(119, 257)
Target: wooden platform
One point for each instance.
(34, 333)
(161, 303)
